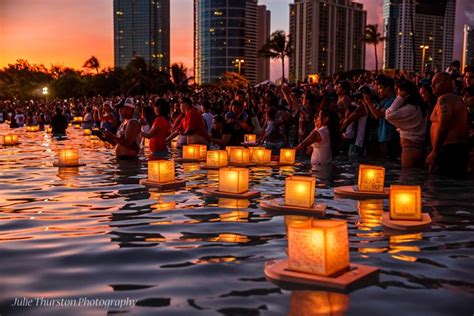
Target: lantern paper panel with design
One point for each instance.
(161, 171)
(299, 191)
(68, 157)
(217, 158)
(250, 138)
(234, 180)
(405, 202)
(318, 247)
(191, 152)
(371, 178)
(261, 155)
(239, 155)
(229, 148)
(287, 156)
(202, 151)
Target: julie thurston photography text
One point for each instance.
(73, 302)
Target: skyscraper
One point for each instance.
(225, 39)
(263, 34)
(327, 36)
(433, 25)
(468, 47)
(142, 28)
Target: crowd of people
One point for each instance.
(423, 121)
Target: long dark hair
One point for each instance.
(164, 108)
(334, 129)
(148, 114)
(414, 96)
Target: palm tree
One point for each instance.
(92, 63)
(372, 36)
(412, 22)
(178, 74)
(277, 47)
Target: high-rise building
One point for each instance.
(417, 31)
(142, 28)
(225, 39)
(263, 34)
(327, 37)
(468, 47)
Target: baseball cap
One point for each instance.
(129, 102)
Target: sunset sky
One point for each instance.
(67, 32)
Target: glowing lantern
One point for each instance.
(11, 139)
(161, 171)
(217, 158)
(68, 157)
(239, 155)
(299, 191)
(77, 119)
(49, 130)
(250, 138)
(235, 216)
(77, 126)
(32, 128)
(87, 132)
(234, 180)
(405, 202)
(202, 151)
(261, 155)
(371, 178)
(287, 156)
(318, 247)
(229, 148)
(191, 152)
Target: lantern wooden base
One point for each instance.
(165, 185)
(207, 167)
(278, 205)
(11, 145)
(246, 195)
(277, 271)
(350, 191)
(242, 165)
(406, 225)
(184, 160)
(60, 165)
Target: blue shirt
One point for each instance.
(386, 131)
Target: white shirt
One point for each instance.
(322, 152)
(208, 117)
(408, 119)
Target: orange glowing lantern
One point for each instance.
(11, 140)
(228, 149)
(202, 151)
(239, 155)
(371, 178)
(191, 152)
(405, 202)
(261, 155)
(234, 180)
(87, 132)
(77, 120)
(77, 126)
(318, 247)
(32, 128)
(49, 130)
(287, 156)
(217, 158)
(250, 138)
(161, 171)
(68, 157)
(299, 191)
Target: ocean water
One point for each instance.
(95, 233)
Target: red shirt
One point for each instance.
(158, 142)
(193, 121)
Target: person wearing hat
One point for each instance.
(127, 140)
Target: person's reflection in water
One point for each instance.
(309, 303)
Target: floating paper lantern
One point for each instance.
(234, 180)
(217, 158)
(161, 171)
(287, 156)
(299, 191)
(191, 152)
(202, 151)
(68, 157)
(10, 140)
(261, 155)
(229, 148)
(318, 247)
(371, 178)
(405, 202)
(239, 155)
(87, 132)
(32, 128)
(77, 126)
(77, 119)
(250, 138)
(49, 130)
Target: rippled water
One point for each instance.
(95, 232)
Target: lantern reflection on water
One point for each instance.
(370, 213)
(318, 303)
(318, 247)
(235, 216)
(233, 203)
